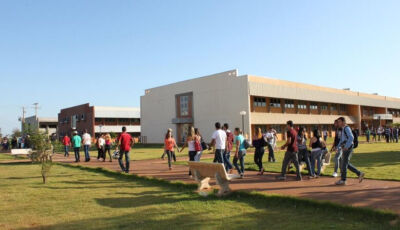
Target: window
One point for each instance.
(313, 106)
(289, 104)
(259, 102)
(110, 120)
(302, 105)
(324, 107)
(343, 108)
(275, 103)
(97, 119)
(135, 120)
(123, 120)
(333, 107)
(82, 117)
(184, 105)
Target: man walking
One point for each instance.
(346, 145)
(271, 141)
(76, 141)
(86, 141)
(291, 152)
(338, 155)
(125, 143)
(218, 142)
(228, 148)
(66, 142)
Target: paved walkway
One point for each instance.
(370, 193)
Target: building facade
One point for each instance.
(99, 119)
(43, 124)
(267, 103)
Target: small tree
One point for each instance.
(16, 132)
(42, 153)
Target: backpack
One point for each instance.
(355, 135)
(246, 144)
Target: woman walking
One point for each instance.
(100, 147)
(316, 144)
(258, 143)
(240, 152)
(190, 143)
(198, 145)
(169, 146)
(108, 146)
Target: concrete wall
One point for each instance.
(219, 97)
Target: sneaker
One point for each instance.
(341, 182)
(298, 179)
(241, 176)
(312, 177)
(335, 174)
(361, 177)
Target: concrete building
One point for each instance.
(44, 124)
(266, 102)
(99, 119)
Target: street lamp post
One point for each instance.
(243, 113)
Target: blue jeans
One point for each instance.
(218, 156)
(271, 155)
(240, 157)
(198, 156)
(316, 156)
(66, 153)
(258, 156)
(77, 154)
(338, 159)
(127, 159)
(227, 162)
(86, 150)
(347, 165)
(303, 156)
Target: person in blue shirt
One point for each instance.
(240, 152)
(346, 145)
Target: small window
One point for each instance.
(343, 108)
(324, 107)
(259, 102)
(289, 104)
(302, 105)
(82, 117)
(110, 120)
(313, 106)
(333, 107)
(275, 103)
(184, 105)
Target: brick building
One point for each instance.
(98, 119)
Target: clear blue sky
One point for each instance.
(64, 53)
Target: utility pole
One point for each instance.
(23, 119)
(36, 107)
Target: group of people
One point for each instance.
(391, 134)
(15, 142)
(103, 143)
(224, 142)
(346, 140)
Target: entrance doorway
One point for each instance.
(182, 132)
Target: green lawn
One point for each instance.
(79, 198)
(7, 157)
(377, 160)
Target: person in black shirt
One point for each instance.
(338, 155)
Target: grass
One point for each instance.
(8, 157)
(82, 198)
(378, 161)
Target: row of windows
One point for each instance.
(121, 120)
(290, 104)
(74, 118)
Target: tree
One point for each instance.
(16, 132)
(42, 152)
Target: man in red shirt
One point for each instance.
(291, 152)
(125, 142)
(66, 142)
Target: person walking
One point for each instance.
(367, 134)
(228, 148)
(169, 147)
(219, 143)
(107, 148)
(396, 134)
(190, 142)
(240, 152)
(338, 155)
(346, 143)
(125, 142)
(87, 142)
(304, 156)
(101, 142)
(373, 133)
(76, 141)
(291, 151)
(271, 138)
(14, 142)
(66, 142)
(325, 134)
(198, 145)
(259, 143)
(316, 144)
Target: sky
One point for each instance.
(68, 52)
